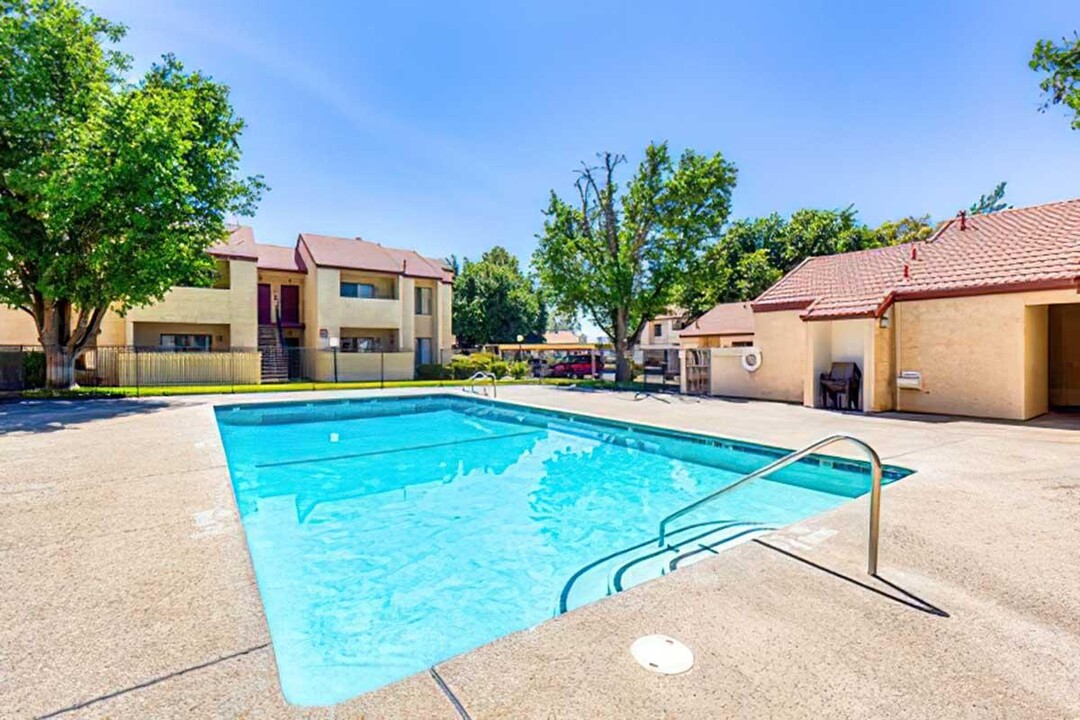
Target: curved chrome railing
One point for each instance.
(481, 375)
(875, 490)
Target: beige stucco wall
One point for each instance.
(781, 337)
(17, 328)
(883, 380)
(984, 356)
(444, 328)
(309, 302)
(408, 308)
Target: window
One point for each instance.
(186, 343)
(657, 330)
(423, 301)
(357, 290)
(743, 343)
(361, 344)
(423, 350)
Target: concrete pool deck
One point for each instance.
(128, 591)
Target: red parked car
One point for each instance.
(578, 366)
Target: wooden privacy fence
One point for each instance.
(129, 366)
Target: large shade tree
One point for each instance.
(617, 253)
(1059, 63)
(752, 254)
(494, 301)
(110, 190)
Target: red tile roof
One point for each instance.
(724, 319)
(562, 337)
(240, 245)
(358, 254)
(1019, 249)
(279, 257)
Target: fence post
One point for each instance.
(382, 370)
(137, 370)
(335, 366)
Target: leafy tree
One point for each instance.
(618, 254)
(110, 192)
(494, 301)
(753, 254)
(990, 203)
(1061, 63)
(454, 264)
(908, 229)
(558, 322)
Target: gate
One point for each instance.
(698, 361)
(11, 368)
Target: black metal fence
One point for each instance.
(221, 369)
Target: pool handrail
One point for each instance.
(875, 490)
(481, 375)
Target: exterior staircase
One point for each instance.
(275, 358)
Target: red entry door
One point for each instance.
(290, 304)
(264, 304)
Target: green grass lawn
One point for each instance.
(153, 391)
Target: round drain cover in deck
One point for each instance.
(662, 654)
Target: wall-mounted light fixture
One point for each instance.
(883, 322)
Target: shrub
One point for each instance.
(433, 371)
(500, 368)
(464, 366)
(33, 369)
(519, 370)
(460, 367)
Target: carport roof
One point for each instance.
(1032, 248)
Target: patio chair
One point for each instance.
(841, 385)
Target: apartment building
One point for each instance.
(377, 312)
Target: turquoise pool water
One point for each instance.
(388, 535)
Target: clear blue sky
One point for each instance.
(442, 126)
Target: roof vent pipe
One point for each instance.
(907, 271)
(914, 253)
(963, 219)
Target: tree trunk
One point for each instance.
(624, 371)
(59, 367)
(54, 329)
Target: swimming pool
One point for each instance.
(390, 534)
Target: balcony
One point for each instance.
(370, 313)
(188, 305)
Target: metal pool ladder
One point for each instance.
(875, 490)
(481, 375)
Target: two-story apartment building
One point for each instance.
(658, 345)
(373, 311)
